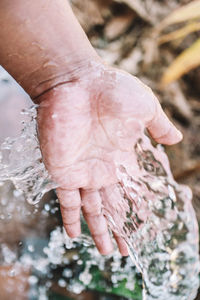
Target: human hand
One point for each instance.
(83, 124)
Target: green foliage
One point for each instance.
(99, 284)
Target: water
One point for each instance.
(159, 226)
(21, 162)
(151, 212)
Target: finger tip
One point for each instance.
(179, 135)
(74, 235)
(125, 254)
(173, 137)
(124, 251)
(105, 248)
(176, 137)
(106, 251)
(73, 232)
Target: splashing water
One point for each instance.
(153, 213)
(21, 162)
(158, 223)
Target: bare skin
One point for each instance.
(82, 103)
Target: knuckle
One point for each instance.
(69, 207)
(92, 214)
(92, 210)
(100, 233)
(70, 223)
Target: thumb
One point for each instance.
(161, 128)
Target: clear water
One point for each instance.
(21, 162)
(153, 214)
(159, 226)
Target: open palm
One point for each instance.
(83, 125)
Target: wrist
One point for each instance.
(44, 45)
(66, 72)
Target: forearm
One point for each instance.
(42, 43)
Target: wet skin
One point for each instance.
(86, 109)
(83, 126)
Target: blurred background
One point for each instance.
(157, 41)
